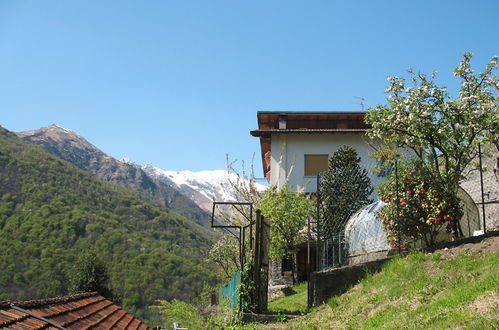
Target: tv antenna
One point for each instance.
(361, 103)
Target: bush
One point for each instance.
(421, 209)
(178, 311)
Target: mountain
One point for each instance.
(72, 147)
(203, 187)
(51, 211)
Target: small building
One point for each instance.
(81, 311)
(296, 146)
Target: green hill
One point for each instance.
(50, 211)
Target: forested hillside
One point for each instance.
(50, 211)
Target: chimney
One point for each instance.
(282, 121)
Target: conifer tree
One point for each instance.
(344, 188)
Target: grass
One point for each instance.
(418, 291)
(295, 303)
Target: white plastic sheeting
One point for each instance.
(364, 231)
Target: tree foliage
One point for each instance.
(179, 311)
(225, 253)
(443, 132)
(89, 273)
(344, 188)
(288, 213)
(418, 209)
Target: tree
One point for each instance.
(89, 274)
(344, 188)
(226, 250)
(225, 253)
(178, 311)
(443, 132)
(288, 213)
(418, 208)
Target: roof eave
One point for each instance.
(267, 133)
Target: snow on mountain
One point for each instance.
(202, 187)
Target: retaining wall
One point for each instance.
(328, 283)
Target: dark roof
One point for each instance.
(312, 112)
(81, 311)
(307, 130)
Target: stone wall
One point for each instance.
(275, 274)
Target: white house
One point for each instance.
(296, 145)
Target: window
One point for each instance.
(384, 169)
(314, 164)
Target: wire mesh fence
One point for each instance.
(350, 230)
(483, 187)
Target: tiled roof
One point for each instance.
(81, 311)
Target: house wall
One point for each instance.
(288, 156)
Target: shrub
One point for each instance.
(421, 209)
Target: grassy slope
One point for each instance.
(296, 302)
(420, 291)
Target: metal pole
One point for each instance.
(481, 186)
(317, 249)
(251, 226)
(308, 249)
(241, 247)
(339, 250)
(243, 253)
(398, 203)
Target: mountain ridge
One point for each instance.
(72, 147)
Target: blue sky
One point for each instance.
(177, 84)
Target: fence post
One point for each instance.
(481, 187)
(339, 250)
(318, 251)
(398, 204)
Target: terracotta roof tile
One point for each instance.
(135, 324)
(115, 318)
(125, 322)
(82, 311)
